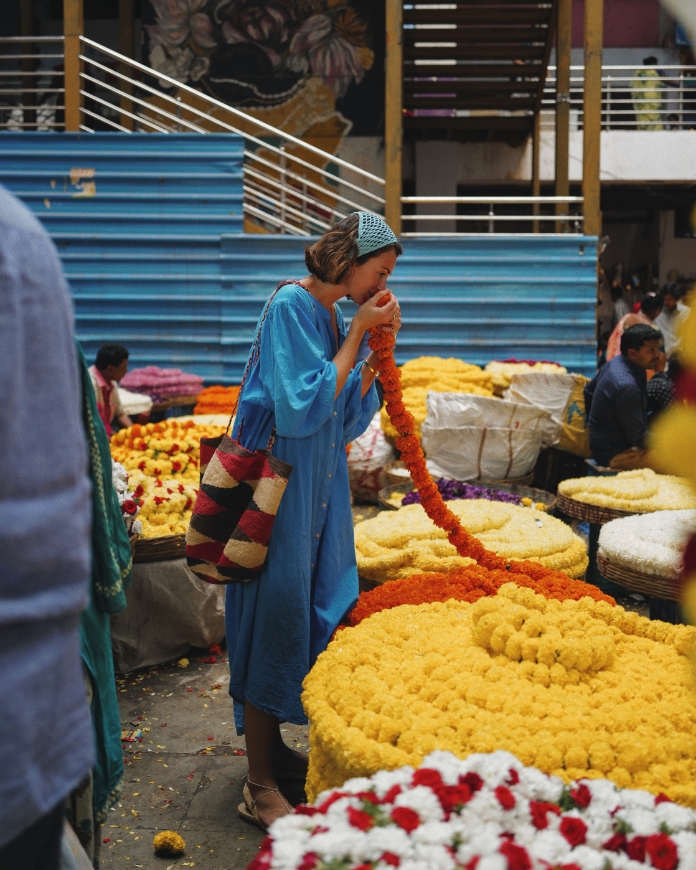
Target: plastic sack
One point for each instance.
(575, 434)
(369, 453)
(474, 438)
(562, 396)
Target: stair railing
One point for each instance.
(452, 215)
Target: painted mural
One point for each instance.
(314, 68)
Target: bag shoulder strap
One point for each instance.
(256, 349)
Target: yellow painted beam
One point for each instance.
(73, 28)
(393, 115)
(592, 115)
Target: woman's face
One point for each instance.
(364, 281)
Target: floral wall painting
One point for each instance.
(315, 68)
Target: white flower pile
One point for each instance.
(488, 812)
(130, 507)
(649, 543)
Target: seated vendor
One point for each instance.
(617, 402)
(109, 367)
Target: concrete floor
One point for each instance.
(187, 773)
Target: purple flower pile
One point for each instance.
(451, 489)
(162, 384)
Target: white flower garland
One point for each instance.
(649, 543)
(130, 507)
(489, 812)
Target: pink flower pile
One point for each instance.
(162, 384)
(488, 812)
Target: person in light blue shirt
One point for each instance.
(305, 383)
(45, 515)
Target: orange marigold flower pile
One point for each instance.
(469, 584)
(216, 400)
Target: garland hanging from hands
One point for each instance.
(408, 444)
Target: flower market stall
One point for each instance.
(488, 811)
(169, 608)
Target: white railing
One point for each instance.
(31, 83)
(664, 99)
(516, 214)
(290, 186)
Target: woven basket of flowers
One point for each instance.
(392, 497)
(160, 549)
(591, 513)
(637, 581)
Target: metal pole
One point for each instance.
(592, 115)
(607, 126)
(536, 181)
(563, 45)
(282, 187)
(28, 65)
(126, 46)
(73, 26)
(491, 215)
(393, 114)
(680, 110)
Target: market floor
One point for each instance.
(186, 774)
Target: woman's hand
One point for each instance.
(369, 314)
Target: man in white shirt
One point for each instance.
(672, 314)
(110, 366)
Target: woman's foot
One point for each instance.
(265, 803)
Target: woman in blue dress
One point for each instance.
(305, 383)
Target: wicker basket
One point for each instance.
(590, 513)
(160, 549)
(636, 581)
(536, 495)
(133, 539)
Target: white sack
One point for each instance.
(368, 455)
(134, 403)
(169, 611)
(547, 391)
(475, 438)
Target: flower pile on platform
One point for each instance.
(488, 812)
(642, 491)
(468, 584)
(649, 543)
(162, 460)
(576, 688)
(404, 542)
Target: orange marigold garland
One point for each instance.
(408, 444)
(468, 584)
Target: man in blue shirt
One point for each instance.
(45, 514)
(617, 403)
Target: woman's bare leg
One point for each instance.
(262, 733)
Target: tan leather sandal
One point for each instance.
(247, 810)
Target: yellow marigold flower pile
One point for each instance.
(642, 491)
(439, 375)
(400, 543)
(501, 371)
(578, 689)
(162, 460)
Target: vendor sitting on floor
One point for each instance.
(617, 403)
(110, 366)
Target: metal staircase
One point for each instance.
(476, 69)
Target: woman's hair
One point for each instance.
(331, 257)
(651, 304)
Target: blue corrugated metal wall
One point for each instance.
(142, 255)
(157, 260)
(478, 298)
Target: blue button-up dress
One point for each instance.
(279, 623)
